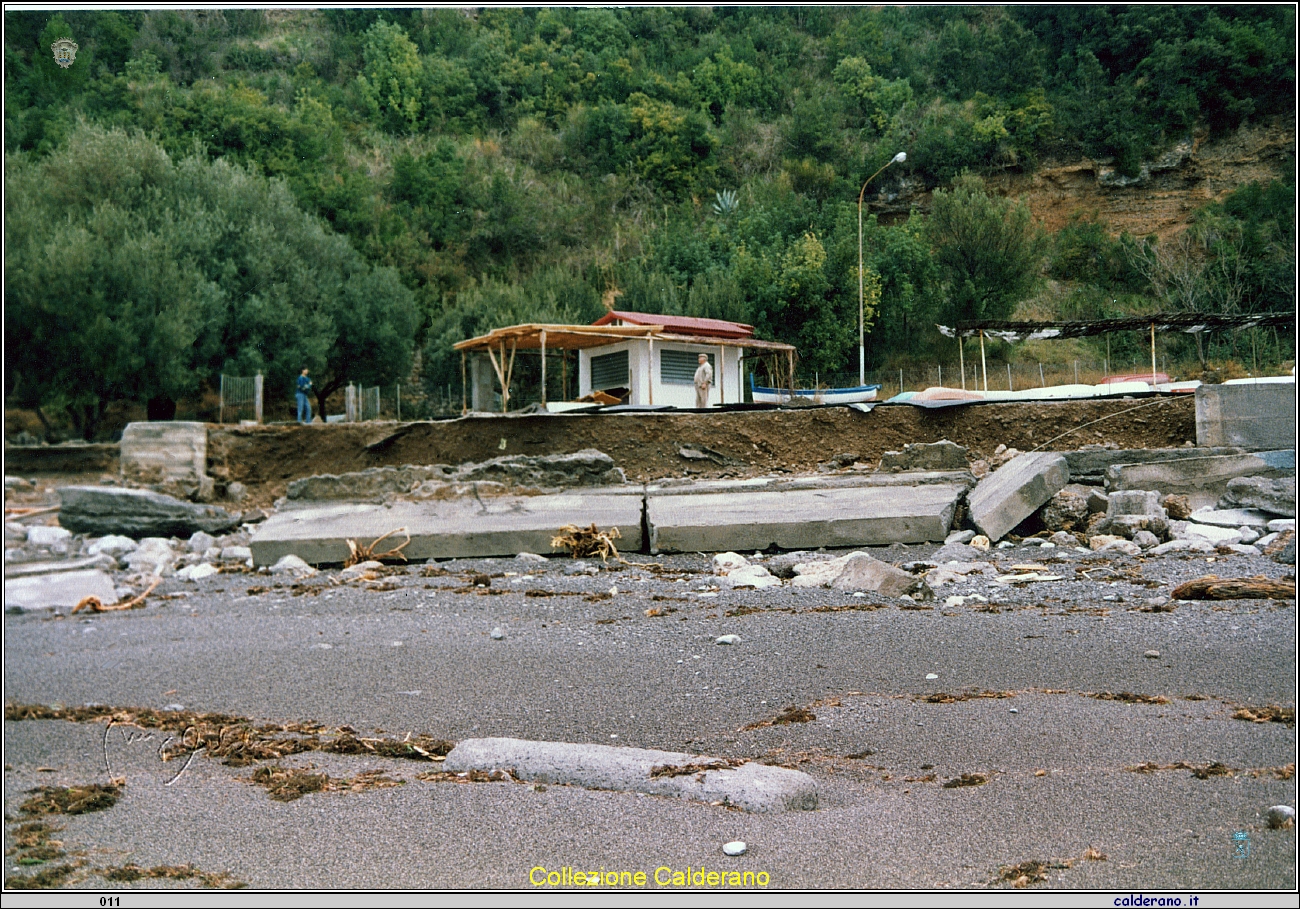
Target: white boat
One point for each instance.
(856, 395)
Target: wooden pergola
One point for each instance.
(543, 337)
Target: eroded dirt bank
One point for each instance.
(646, 446)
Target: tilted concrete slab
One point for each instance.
(450, 528)
(1257, 417)
(751, 786)
(800, 518)
(1016, 490)
(1091, 464)
(824, 481)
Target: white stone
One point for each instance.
(1185, 545)
(1006, 544)
(980, 542)
(728, 639)
(40, 535)
(236, 554)
(738, 847)
(197, 572)
(293, 565)
(1241, 548)
(1146, 539)
(530, 557)
(959, 536)
(1267, 540)
(113, 545)
(725, 563)
(1229, 517)
(755, 576)
(1125, 546)
(1152, 654)
(498, 634)
(1248, 534)
(201, 542)
(356, 571)
(1281, 524)
(1212, 533)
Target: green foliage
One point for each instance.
(392, 81)
(132, 277)
(987, 249)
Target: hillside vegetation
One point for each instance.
(233, 191)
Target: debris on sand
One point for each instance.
(694, 767)
(1212, 587)
(71, 799)
(1129, 697)
(1200, 771)
(285, 784)
(1026, 873)
(944, 697)
(967, 779)
(132, 872)
(358, 553)
(587, 541)
(1269, 714)
(791, 714)
(469, 776)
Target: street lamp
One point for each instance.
(862, 350)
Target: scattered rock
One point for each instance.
(18, 484)
(1131, 510)
(1281, 524)
(959, 536)
(726, 562)
(1128, 547)
(1274, 496)
(1098, 501)
(1182, 545)
(728, 639)
(1286, 555)
(1212, 533)
(530, 557)
(197, 572)
(755, 576)
(859, 571)
(1100, 541)
(358, 570)
(1278, 817)
(1178, 507)
(41, 535)
(236, 492)
(201, 542)
(1152, 654)
(942, 455)
(136, 513)
(236, 554)
(738, 847)
(154, 555)
(782, 566)
(293, 565)
(1061, 538)
(980, 543)
(497, 634)
(1065, 511)
(839, 462)
(1146, 539)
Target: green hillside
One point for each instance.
(230, 191)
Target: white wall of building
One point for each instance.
(644, 360)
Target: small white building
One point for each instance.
(634, 358)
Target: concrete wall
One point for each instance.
(157, 452)
(643, 361)
(1256, 417)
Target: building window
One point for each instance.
(677, 367)
(610, 371)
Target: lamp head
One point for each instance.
(899, 158)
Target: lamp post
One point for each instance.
(862, 350)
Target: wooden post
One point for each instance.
(464, 387)
(984, 364)
(789, 354)
(650, 369)
(543, 339)
(564, 374)
(510, 371)
(1153, 356)
(257, 397)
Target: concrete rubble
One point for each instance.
(1015, 491)
(136, 513)
(750, 786)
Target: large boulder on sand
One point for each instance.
(137, 513)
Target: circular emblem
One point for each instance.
(65, 52)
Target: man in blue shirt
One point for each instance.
(304, 403)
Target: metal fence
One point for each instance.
(241, 398)
(370, 403)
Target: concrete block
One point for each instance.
(942, 455)
(1092, 464)
(1016, 490)
(1255, 417)
(62, 589)
(799, 518)
(162, 451)
(751, 786)
(1202, 480)
(1276, 496)
(447, 528)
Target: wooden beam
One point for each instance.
(543, 337)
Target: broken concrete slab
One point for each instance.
(1015, 491)
(1275, 496)
(165, 451)
(1230, 517)
(751, 786)
(58, 590)
(136, 513)
(1256, 417)
(1090, 465)
(1203, 480)
(941, 455)
(446, 528)
(99, 560)
(799, 518)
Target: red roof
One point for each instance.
(711, 328)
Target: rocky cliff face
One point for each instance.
(1160, 200)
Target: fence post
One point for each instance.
(1009, 388)
(399, 402)
(221, 407)
(350, 403)
(257, 397)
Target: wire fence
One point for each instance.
(241, 399)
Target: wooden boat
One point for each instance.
(856, 395)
